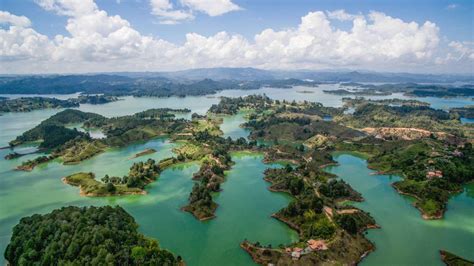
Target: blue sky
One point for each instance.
(453, 19)
(456, 23)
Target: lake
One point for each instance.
(245, 204)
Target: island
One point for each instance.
(452, 260)
(145, 152)
(417, 90)
(358, 92)
(28, 104)
(139, 176)
(466, 112)
(84, 235)
(95, 99)
(358, 101)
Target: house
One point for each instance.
(295, 255)
(434, 174)
(317, 244)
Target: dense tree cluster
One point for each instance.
(354, 222)
(139, 176)
(338, 189)
(96, 99)
(84, 236)
(285, 179)
(231, 106)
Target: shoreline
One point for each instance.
(93, 195)
(424, 215)
(202, 219)
(288, 223)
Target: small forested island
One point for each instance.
(12, 156)
(418, 90)
(359, 92)
(84, 236)
(210, 176)
(139, 176)
(95, 99)
(145, 152)
(466, 112)
(355, 102)
(28, 104)
(452, 260)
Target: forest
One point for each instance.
(84, 236)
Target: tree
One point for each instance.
(110, 188)
(106, 179)
(348, 223)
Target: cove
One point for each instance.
(231, 126)
(405, 238)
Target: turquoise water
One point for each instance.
(467, 120)
(231, 126)
(405, 238)
(244, 211)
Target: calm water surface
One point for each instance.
(231, 126)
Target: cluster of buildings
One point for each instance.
(312, 245)
(434, 174)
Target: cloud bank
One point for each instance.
(98, 41)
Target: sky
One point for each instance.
(84, 36)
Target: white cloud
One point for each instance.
(212, 7)
(98, 41)
(20, 41)
(464, 49)
(169, 14)
(19, 21)
(341, 15)
(452, 6)
(68, 7)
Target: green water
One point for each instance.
(231, 126)
(405, 238)
(244, 211)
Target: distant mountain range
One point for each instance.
(202, 81)
(251, 74)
